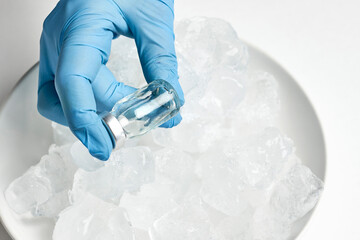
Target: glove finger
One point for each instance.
(48, 103)
(75, 42)
(155, 41)
(107, 90)
(82, 54)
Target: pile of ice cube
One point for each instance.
(225, 173)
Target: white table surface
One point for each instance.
(317, 41)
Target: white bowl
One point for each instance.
(25, 136)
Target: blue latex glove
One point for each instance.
(74, 82)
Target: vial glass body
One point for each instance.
(147, 108)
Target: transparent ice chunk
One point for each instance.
(154, 200)
(141, 234)
(91, 219)
(266, 226)
(295, 194)
(237, 172)
(124, 62)
(58, 167)
(83, 159)
(189, 80)
(259, 158)
(186, 222)
(174, 164)
(223, 189)
(28, 191)
(208, 43)
(261, 104)
(193, 137)
(126, 170)
(53, 174)
(52, 207)
(235, 228)
(224, 92)
(292, 197)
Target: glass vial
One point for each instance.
(141, 111)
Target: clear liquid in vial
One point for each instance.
(146, 108)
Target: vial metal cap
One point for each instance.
(115, 128)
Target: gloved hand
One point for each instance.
(74, 82)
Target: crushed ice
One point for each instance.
(225, 173)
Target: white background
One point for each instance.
(317, 41)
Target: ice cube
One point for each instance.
(141, 234)
(174, 164)
(265, 226)
(126, 170)
(186, 222)
(260, 158)
(58, 167)
(260, 106)
(83, 159)
(52, 207)
(224, 92)
(154, 200)
(53, 174)
(293, 196)
(208, 43)
(28, 191)
(188, 78)
(62, 134)
(235, 228)
(124, 62)
(296, 194)
(91, 219)
(192, 137)
(223, 190)
(237, 172)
